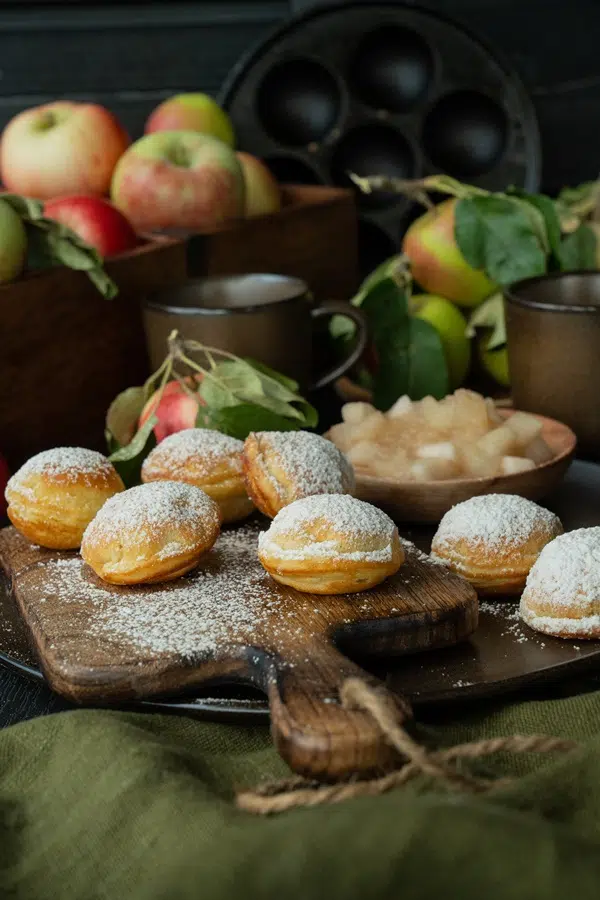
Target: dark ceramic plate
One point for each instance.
(502, 655)
(382, 89)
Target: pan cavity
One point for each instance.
(373, 150)
(298, 102)
(392, 69)
(465, 134)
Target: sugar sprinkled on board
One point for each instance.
(190, 617)
(565, 580)
(70, 463)
(314, 464)
(201, 444)
(149, 509)
(496, 520)
(329, 525)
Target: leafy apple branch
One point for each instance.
(233, 395)
(50, 244)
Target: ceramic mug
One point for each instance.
(553, 332)
(269, 318)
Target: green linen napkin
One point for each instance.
(98, 804)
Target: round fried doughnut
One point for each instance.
(330, 544)
(493, 540)
(54, 496)
(153, 532)
(283, 466)
(562, 594)
(207, 459)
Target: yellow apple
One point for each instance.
(436, 262)
(192, 112)
(451, 326)
(495, 362)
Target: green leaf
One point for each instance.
(26, 207)
(579, 250)
(128, 460)
(123, 415)
(550, 222)
(70, 254)
(104, 283)
(410, 354)
(276, 376)
(495, 234)
(490, 315)
(235, 382)
(239, 421)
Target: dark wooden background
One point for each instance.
(129, 55)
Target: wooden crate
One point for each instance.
(65, 351)
(313, 237)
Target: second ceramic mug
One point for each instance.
(269, 318)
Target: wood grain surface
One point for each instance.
(285, 645)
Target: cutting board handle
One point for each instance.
(315, 734)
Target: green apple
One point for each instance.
(451, 326)
(495, 362)
(436, 262)
(13, 243)
(192, 112)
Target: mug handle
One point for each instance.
(338, 308)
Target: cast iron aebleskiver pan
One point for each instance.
(501, 656)
(383, 88)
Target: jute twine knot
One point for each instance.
(440, 765)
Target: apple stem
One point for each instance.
(418, 189)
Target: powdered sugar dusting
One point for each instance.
(71, 463)
(314, 464)
(566, 580)
(203, 444)
(354, 519)
(221, 602)
(496, 520)
(150, 509)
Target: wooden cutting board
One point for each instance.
(229, 619)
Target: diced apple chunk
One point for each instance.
(478, 463)
(525, 427)
(342, 436)
(368, 429)
(401, 407)
(538, 451)
(438, 415)
(471, 415)
(355, 413)
(391, 466)
(432, 469)
(493, 412)
(362, 454)
(511, 465)
(499, 442)
(444, 450)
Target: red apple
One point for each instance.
(263, 195)
(178, 179)
(96, 221)
(175, 410)
(4, 476)
(192, 112)
(61, 148)
(436, 262)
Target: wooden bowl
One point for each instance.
(414, 501)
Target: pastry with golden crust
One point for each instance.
(207, 459)
(283, 466)
(562, 594)
(54, 496)
(331, 544)
(150, 533)
(493, 540)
